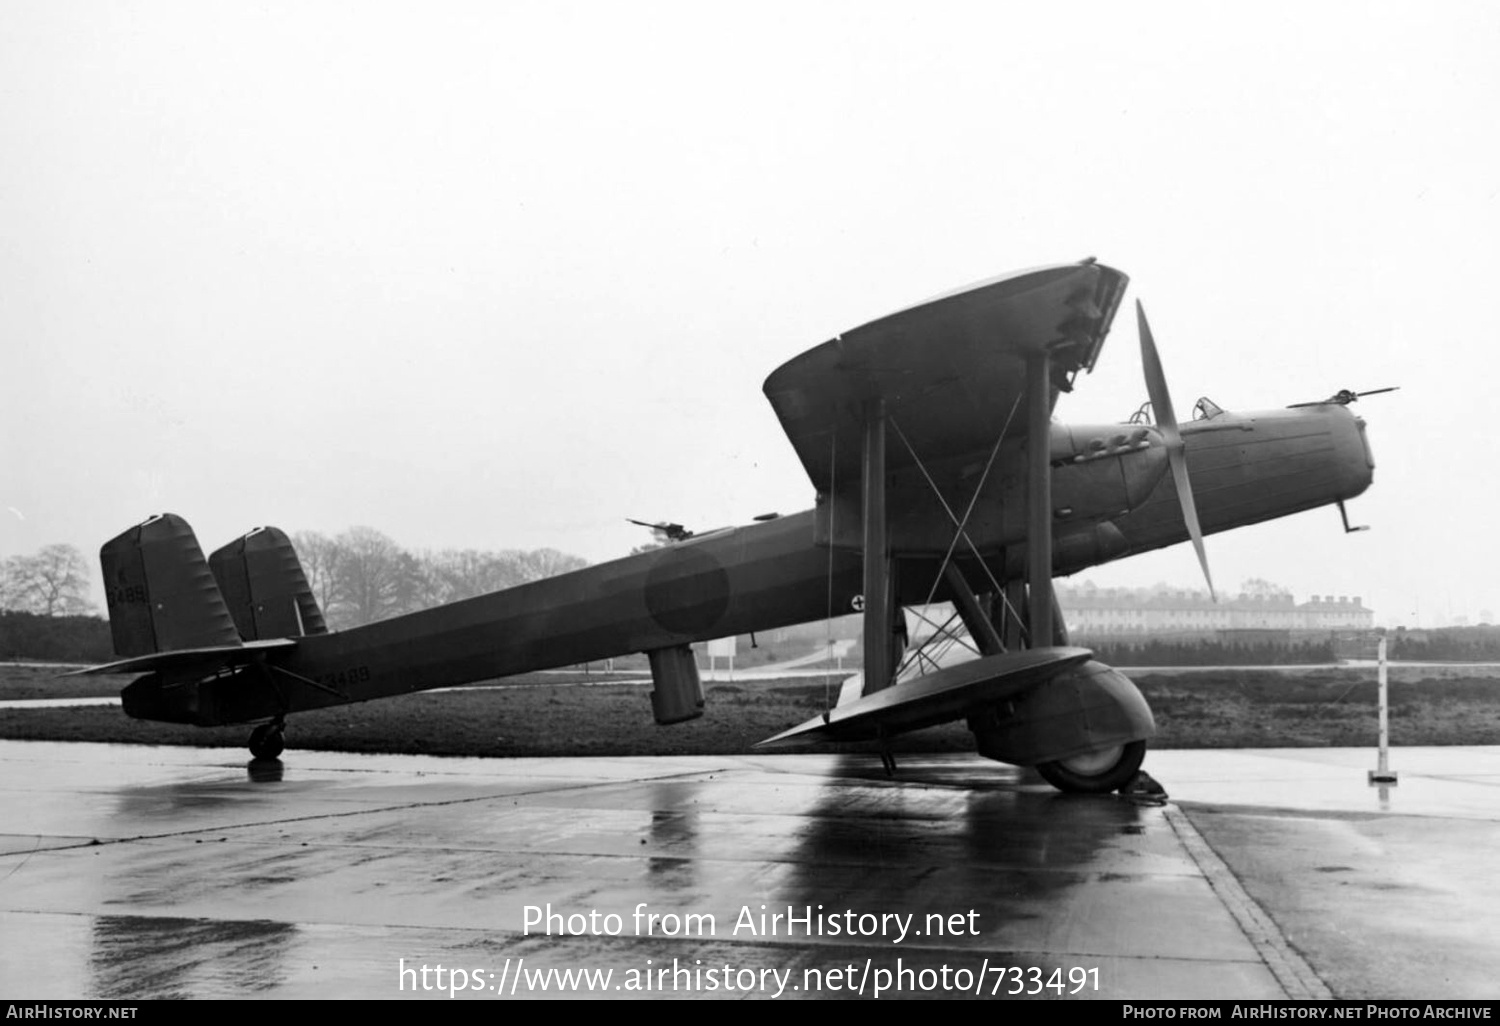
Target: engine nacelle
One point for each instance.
(1087, 709)
(677, 692)
(1079, 549)
(1098, 472)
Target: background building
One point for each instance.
(1133, 612)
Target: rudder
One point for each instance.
(264, 586)
(161, 594)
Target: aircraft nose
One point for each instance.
(1356, 461)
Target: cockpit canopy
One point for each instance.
(1204, 409)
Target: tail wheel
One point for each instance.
(267, 741)
(1096, 772)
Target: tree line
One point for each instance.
(357, 576)
(361, 575)
(1150, 651)
(1446, 644)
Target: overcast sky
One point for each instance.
(499, 275)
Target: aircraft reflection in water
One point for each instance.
(940, 477)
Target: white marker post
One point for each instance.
(722, 648)
(1382, 775)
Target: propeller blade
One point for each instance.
(1344, 397)
(1177, 460)
(1156, 382)
(1166, 423)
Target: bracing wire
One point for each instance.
(833, 467)
(962, 533)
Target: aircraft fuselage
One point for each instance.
(1245, 469)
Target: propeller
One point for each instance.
(1166, 423)
(1343, 397)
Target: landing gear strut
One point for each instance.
(1096, 772)
(268, 740)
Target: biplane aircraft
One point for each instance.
(940, 477)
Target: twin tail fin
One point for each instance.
(171, 607)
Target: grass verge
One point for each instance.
(557, 717)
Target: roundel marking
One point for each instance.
(687, 591)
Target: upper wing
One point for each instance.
(950, 371)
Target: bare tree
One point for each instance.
(362, 575)
(539, 563)
(368, 571)
(413, 587)
(1259, 587)
(456, 574)
(460, 574)
(9, 576)
(318, 555)
(54, 582)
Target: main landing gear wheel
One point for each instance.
(268, 740)
(1096, 772)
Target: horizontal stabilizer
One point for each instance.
(209, 660)
(947, 694)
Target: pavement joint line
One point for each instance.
(1478, 780)
(101, 841)
(658, 856)
(1292, 972)
(92, 842)
(1338, 815)
(451, 849)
